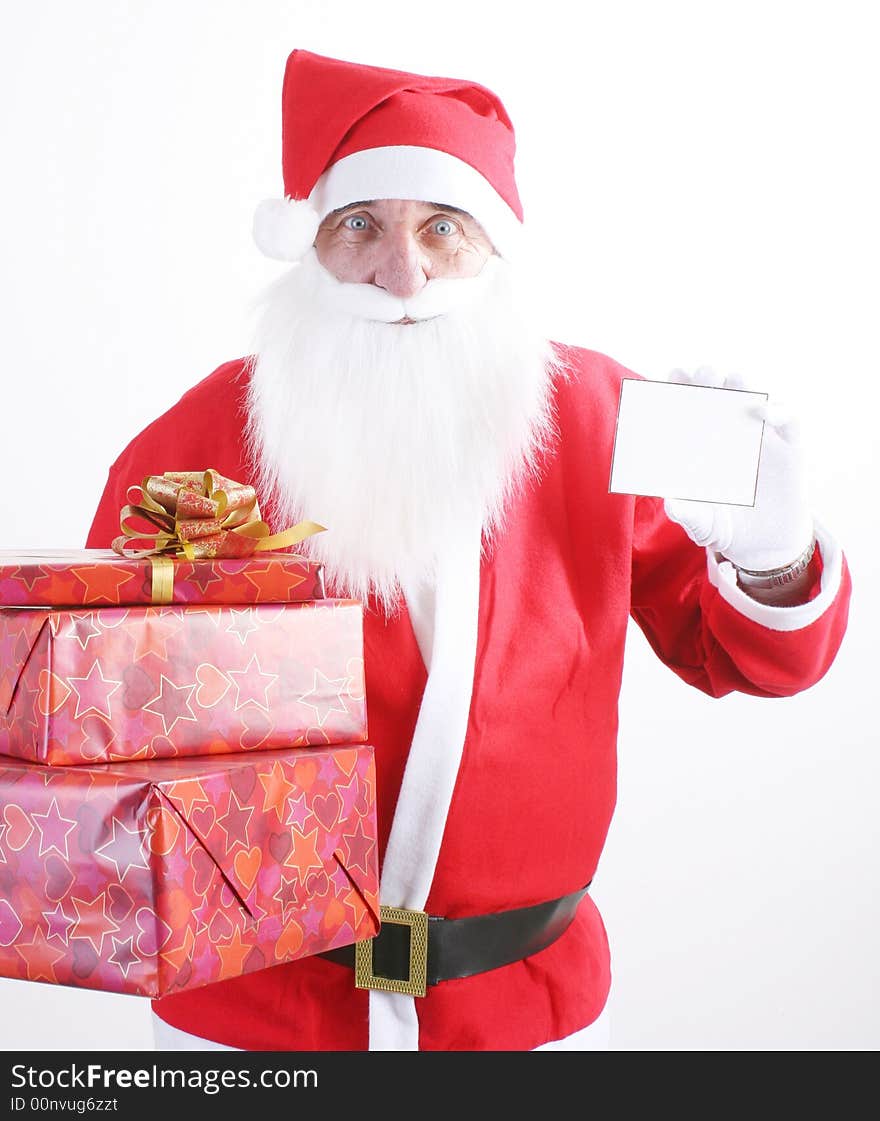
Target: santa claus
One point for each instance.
(400, 394)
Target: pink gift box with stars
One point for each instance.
(137, 683)
(150, 878)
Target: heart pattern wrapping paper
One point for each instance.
(134, 683)
(151, 878)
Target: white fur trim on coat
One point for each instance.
(432, 764)
(722, 574)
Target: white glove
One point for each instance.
(778, 529)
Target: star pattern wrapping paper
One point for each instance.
(102, 578)
(135, 683)
(151, 878)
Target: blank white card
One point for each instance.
(687, 441)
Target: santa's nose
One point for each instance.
(401, 267)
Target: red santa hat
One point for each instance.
(353, 133)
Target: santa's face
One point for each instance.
(391, 400)
(398, 245)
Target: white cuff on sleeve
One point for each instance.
(722, 575)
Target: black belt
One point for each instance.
(413, 949)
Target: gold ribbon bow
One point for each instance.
(199, 514)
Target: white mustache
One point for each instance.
(368, 301)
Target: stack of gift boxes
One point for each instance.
(186, 790)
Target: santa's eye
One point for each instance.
(444, 227)
(356, 222)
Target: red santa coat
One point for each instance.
(535, 789)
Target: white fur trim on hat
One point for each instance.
(285, 229)
(404, 171)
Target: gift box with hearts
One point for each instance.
(153, 877)
(126, 683)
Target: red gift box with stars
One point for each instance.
(151, 878)
(137, 683)
(102, 578)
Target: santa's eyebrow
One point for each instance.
(350, 206)
(453, 209)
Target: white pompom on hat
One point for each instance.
(354, 133)
(285, 228)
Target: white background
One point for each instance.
(701, 182)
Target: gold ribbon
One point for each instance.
(197, 515)
(162, 586)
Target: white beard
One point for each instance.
(387, 433)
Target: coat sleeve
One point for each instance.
(205, 428)
(150, 453)
(714, 636)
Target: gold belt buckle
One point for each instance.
(417, 982)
